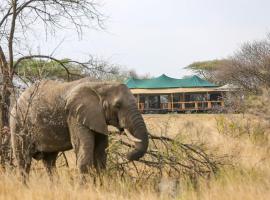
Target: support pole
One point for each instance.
(209, 104)
(196, 105)
(172, 101)
(184, 102)
(138, 101)
(222, 99)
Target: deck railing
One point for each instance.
(183, 106)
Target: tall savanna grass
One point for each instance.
(241, 141)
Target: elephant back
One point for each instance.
(42, 102)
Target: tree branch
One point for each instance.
(6, 16)
(47, 57)
(11, 34)
(3, 60)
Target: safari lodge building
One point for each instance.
(165, 94)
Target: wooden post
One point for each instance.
(184, 100)
(222, 99)
(209, 105)
(146, 102)
(222, 103)
(196, 105)
(172, 101)
(138, 101)
(183, 106)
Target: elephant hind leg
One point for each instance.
(22, 151)
(100, 155)
(24, 159)
(24, 169)
(49, 161)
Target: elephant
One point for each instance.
(53, 116)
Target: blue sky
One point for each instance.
(157, 36)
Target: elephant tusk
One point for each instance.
(131, 137)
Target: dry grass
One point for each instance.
(246, 174)
(244, 138)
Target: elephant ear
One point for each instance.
(84, 103)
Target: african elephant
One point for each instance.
(53, 116)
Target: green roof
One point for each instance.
(164, 81)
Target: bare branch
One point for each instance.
(168, 156)
(6, 16)
(11, 34)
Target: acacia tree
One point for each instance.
(208, 69)
(20, 18)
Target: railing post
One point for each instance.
(209, 105)
(169, 105)
(138, 101)
(183, 105)
(196, 105)
(172, 101)
(222, 103)
(142, 109)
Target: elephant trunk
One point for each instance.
(136, 127)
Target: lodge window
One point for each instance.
(196, 97)
(164, 98)
(176, 97)
(215, 97)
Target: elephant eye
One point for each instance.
(117, 104)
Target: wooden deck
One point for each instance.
(182, 106)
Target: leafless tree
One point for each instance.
(21, 18)
(249, 67)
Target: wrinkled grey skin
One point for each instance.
(53, 116)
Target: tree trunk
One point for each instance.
(5, 102)
(4, 109)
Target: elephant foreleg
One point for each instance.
(85, 155)
(100, 155)
(83, 141)
(49, 161)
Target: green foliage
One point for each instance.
(208, 65)
(208, 69)
(36, 69)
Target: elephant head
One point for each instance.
(101, 104)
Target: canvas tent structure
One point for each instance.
(165, 94)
